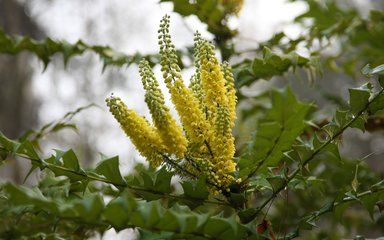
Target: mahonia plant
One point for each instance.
(203, 146)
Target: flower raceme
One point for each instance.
(203, 145)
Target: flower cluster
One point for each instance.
(203, 145)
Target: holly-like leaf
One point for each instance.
(89, 208)
(109, 168)
(70, 160)
(370, 201)
(195, 192)
(7, 144)
(359, 97)
(44, 50)
(278, 131)
(23, 196)
(118, 211)
(163, 181)
(270, 65)
(377, 104)
(224, 228)
(276, 182)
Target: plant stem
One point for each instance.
(50, 166)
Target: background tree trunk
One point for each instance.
(18, 106)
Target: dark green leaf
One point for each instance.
(377, 104)
(90, 208)
(109, 168)
(26, 148)
(195, 192)
(279, 130)
(118, 211)
(8, 144)
(342, 117)
(277, 182)
(223, 228)
(44, 50)
(359, 97)
(381, 80)
(150, 235)
(70, 160)
(370, 201)
(247, 215)
(20, 195)
(359, 122)
(163, 181)
(340, 210)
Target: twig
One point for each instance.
(50, 166)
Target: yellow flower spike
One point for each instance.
(230, 91)
(170, 132)
(137, 128)
(212, 78)
(206, 109)
(191, 116)
(223, 144)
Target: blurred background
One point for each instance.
(31, 96)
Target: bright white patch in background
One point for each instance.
(259, 20)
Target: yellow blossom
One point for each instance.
(223, 146)
(203, 144)
(137, 128)
(212, 78)
(170, 132)
(191, 115)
